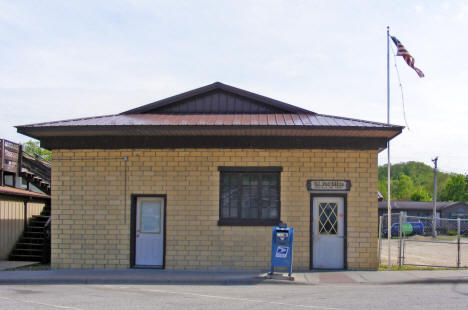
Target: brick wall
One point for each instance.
(91, 224)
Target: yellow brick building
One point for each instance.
(198, 180)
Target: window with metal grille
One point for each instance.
(328, 218)
(249, 196)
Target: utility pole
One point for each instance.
(389, 206)
(434, 200)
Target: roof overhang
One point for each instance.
(188, 130)
(18, 192)
(209, 136)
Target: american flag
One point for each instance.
(403, 52)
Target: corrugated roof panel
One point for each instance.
(202, 121)
(305, 120)
(271, 120)
(254, 120)
(312, 119)
(245, 119)
(166, 120)
(280, 120)
(213, 124)
(335, 122)
(216, 119)
(346, 122)
(230, 120)
(296, 119)
(322, 121)
(263, 120)
(237, 119)
(288, 119)
(213, 120)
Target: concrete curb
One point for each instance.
(136, 277)
(167, 277)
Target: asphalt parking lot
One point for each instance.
(169, 289)
(260, 296)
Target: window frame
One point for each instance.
(243, 221)
(13, 179)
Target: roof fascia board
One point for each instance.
(27, 194)
(116, 128)
(38, 132)
(219, 142)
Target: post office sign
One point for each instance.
(328, 185)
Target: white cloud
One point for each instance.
(418, 8)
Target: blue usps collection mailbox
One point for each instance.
(282, 247)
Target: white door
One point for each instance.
(328, 233)
(149, 243)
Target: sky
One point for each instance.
(71, 59)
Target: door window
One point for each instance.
(150, 217)
(328, 218)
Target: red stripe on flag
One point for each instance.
(403, 52)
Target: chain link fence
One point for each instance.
(424, 241)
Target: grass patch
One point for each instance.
(403, 268)
(452, 238)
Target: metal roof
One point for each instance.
(216, 110)
(211, 124)
(302, 119)
(13, 191)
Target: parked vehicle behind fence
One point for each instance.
(409, 229)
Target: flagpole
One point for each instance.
(389, 207)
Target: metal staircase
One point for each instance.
(34, 244)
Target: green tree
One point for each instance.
(455, 189)
(422, 176)
(420, 194)
(32, 147)
(402, 188)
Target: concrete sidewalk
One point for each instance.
(5, 264)
(150, 276)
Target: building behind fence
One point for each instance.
(451, 210)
